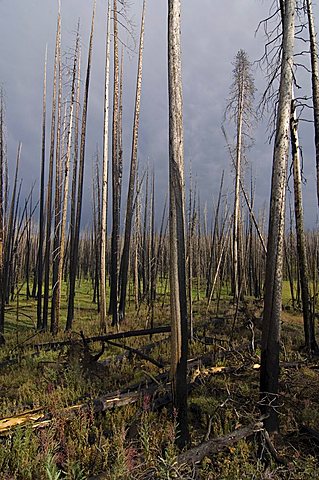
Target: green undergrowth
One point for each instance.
(134, 442)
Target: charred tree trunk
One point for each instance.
(75, 246)
(132, 179)
(309, 329)
(270, 347)
(177, 224)
(103, 311)
(113, 308)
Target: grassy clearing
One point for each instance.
(134, 442)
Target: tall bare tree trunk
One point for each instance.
(50, 183)
(270, 347)
(103, 310)
(315, 82)
(64, 199)
(309, 329)
(57, 200)
(177, 223)
(41, 213)
(75, 246)
(113, 309)
(132, 178)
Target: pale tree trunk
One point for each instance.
(75, 246)
(50, 183)
(270, 347)
(309, 330)
(113, 308)
(103, 310)
(132, 178)
(75, 158)
(178, 300)
(57, 200)
(66, 175)
(41, 213)
(237, 191)
(315, 83)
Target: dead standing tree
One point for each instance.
(76, 238)
(240, 111)
(315, 82)
(177, 223)
(270, 347)
(113, 308)
(310, 340)
(132, 179)
(103, 310)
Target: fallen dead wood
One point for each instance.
(219, 444)
(39, 417)
(118, 358)
(136, 352)
(157, 387)
(98, 338)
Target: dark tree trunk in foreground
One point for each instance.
(177, 223)
(270, 344)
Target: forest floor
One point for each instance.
(98, 411)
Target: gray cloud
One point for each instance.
(212, 33)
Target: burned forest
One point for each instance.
(159, 242)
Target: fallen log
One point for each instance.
(216, 445)
(199, 369)
(113, 399)
(98, 338)
(136, 352)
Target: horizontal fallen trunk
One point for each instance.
(196, 454)
(39, 417)
(138, 353)
(98, 338)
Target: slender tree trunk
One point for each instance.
(177, 224)
(113, 309)
(64, 199)
(50, 183)
(132, 178)
(41, 213)
(315, 83)
(57, 201)
(237, 191)
(309, 329)
(270, 347)
(103, 311)
(75, 246)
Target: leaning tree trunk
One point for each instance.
(177, 223)
(315, 83)
(132, 178)
(309, 329)
(270, 344)
(103, 310)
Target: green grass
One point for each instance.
(132, 443)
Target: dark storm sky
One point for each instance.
(212, 33)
